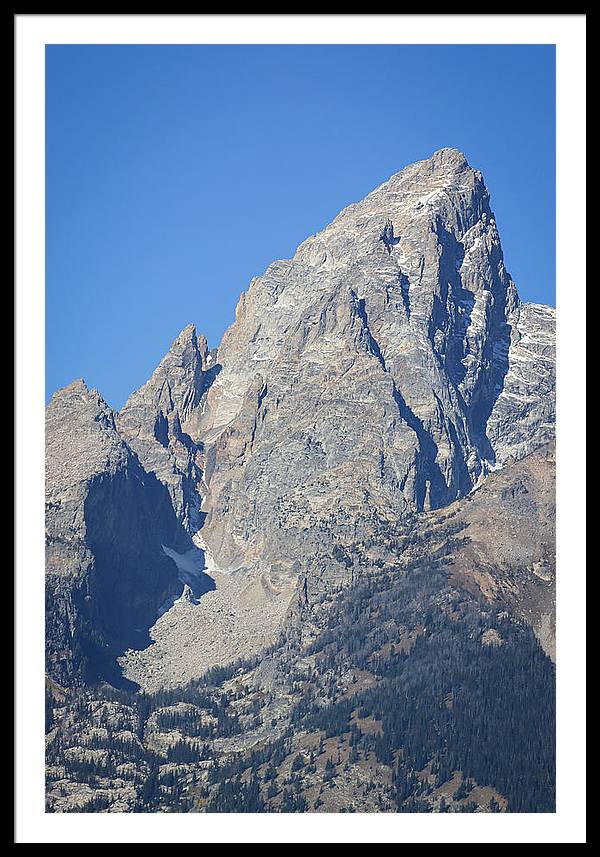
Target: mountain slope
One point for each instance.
(508, 531)
(106, 518)
(385, 370)
(324, 550)
(417, 688)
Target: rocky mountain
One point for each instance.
(363, 374)
(350, 500)
(106, 518)
(156, 421)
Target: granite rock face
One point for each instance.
(523, 417)
(388, 365)
(106, 519)
(158, 420)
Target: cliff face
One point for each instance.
(381, 373)
(157, 420)
(106, 519)
(388, 365)
(523, 416)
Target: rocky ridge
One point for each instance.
(508, 551)
(384, 371)
(157, 419)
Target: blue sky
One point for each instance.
(174, 174)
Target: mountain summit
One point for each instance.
(382, 372)
(363, 375)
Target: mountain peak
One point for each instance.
(177, 377)
(157, 419)
(81, 436)
(188, 334)
(80, 398)
(77, 385)
(397, 315)
(449, 156)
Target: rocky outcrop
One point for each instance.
(106, 520)
(158, 422)
(523, 417)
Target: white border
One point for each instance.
(32, 33)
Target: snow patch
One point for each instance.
(191, 565)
